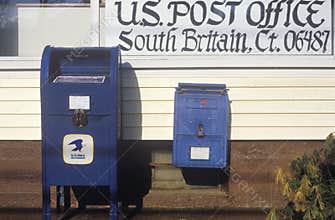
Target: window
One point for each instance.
(26, 27)
(8, 28)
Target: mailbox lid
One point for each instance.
(200, 88)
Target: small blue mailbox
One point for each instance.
(201, 119)
(80, 120)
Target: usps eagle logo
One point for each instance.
(78, 145)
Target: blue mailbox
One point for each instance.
(201, 120)
(80, 120)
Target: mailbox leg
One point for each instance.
(113, 188)
(113, 211)
(67, 198)
(46, 202)
(58, 199)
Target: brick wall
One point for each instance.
(251, 184)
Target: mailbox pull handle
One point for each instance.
(201, 132)
(79, 118)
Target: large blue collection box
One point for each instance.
(80, 108)
(201, 120)
(80, 120)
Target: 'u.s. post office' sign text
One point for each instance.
(222, 27)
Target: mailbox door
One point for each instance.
(64, 171)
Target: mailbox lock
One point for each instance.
(79, 118)
(201, 132)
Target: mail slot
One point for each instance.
(201, 120)
(80, 120)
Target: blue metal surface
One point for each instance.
(205, 106)
(103, 119)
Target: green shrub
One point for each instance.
(309, 186)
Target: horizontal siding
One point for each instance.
(163, 107)
(167, 94)
(20, 121)
(20, 107)
(20, 133)
(166, 120)
(290, 103)
(238, 120)
(240, 78)
(240, 107)
(240, 133)
(238, 94)
(19, 94)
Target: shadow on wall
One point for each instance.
(134, 155)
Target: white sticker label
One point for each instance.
(199, 153)
(78, 149)
(79, 102)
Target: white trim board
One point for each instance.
(194, 62)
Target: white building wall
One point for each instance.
(272, 98)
